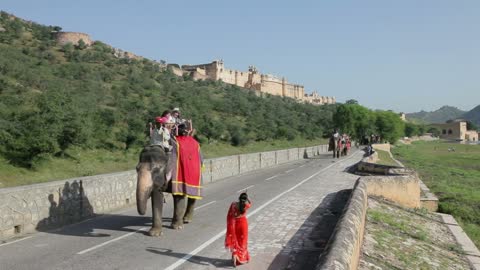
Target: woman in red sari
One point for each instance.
(236, 238)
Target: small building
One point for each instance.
(457, 131)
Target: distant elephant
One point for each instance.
(333, 145)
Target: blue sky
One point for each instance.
(406, 56)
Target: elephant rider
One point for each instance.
(160, 133)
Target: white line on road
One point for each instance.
(222, 233)
(289, 170)
(15, 241)
(302, 166)
(270, 178)
(243, 189)
(110, 241)
(128, 234)
(196, 208)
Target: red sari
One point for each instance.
(236, 238)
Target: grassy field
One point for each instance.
(452, 172)
(78, 162)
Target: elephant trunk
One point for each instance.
(144, 188)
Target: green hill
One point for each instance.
(441, 115)
(53, 98)
(473, 115)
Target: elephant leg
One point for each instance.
(178, 211)
(157, 209)
(189, 212)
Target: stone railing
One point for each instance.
(49, 205)
(344, 247)
(394, 183)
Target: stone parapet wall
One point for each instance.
(401, 189)
(268, 159)
(44, 206)
(344, 247)
(427, 199)
(381, 146)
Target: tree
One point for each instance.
(354, 120)
(434, 131)
(351, 102)
(389, 126)
(471, 126)
(81, 44)
(411, 129)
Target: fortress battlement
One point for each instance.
(73, 38)
(251, 79)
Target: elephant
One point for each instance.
(333, 145)
(153, 171)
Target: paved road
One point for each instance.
(289, 204)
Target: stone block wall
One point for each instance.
(344, 247)
(225, 167)
(249, 162)
(403, 190)
(44, 206)
(268, 159)
(282, 156)
(381, 146)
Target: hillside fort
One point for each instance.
(216, 71)
(251, 79)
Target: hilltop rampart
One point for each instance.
(73, 38)
(251, 79)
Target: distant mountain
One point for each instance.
(473, 115)
(441, 115)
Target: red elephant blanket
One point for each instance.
(187, 173)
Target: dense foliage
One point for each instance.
(53, 98)
(360, 123)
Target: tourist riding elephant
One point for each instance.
(177, 172)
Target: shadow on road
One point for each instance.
(201, 260)
(73, 206)
(305, 247)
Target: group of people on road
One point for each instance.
(340, 144)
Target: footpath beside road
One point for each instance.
(292, 231)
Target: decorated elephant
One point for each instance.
(334, 145)
(177, 172)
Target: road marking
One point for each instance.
(270, 178)
(243, 189)
(289, 170)
(110, 241)
(196, 208)
(15, 241)
(222, 233)
(302, 166)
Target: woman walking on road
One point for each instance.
(236, 238)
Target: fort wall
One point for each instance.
(253, 80)
(73, 38)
